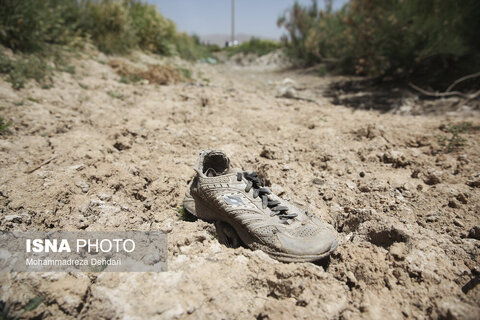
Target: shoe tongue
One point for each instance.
(211, 172)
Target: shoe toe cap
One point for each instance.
(322, 242)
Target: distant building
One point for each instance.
(233, 43)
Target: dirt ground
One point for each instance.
(407, 212)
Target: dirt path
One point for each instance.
(407, 212)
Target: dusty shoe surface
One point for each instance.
(260, 218)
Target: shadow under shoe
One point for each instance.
(227, 235)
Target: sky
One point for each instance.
(203, 17)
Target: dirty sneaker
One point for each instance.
(238, 203)
(225, 233)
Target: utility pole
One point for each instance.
(233, 21)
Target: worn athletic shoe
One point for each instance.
(242, 207)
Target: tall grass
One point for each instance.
(388, 37)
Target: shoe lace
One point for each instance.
(259, 190)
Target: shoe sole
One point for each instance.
(280, 256)
(285, 257)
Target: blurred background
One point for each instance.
(211, 20)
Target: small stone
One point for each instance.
(453, 204)
(13, 218)
(134, 170)
(287, 92)
(462, 197)
(458, 223)
(328, 195)
(463, 159)
(432, 178)
(362, 174)
(351, 278)
(371, 131)
(396, 158)
(167, 226)
(474, 233)
(119, 145)
(82, 222)
(474, 183)
(104, 197)
(191, 309)
(432, 218)
(268, 154)
(77, 167)
(318, 181)
(83, 186)
(364, 188)
(415, 173)
(398, 250)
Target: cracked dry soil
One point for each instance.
(406, 211)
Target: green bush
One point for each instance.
(28, 25)
(41, 27)
(388, 37)
(158, 34)
(110, 26)
(300, 22)
(256, 46)
(31, 67)
(154, 32)
(188, 47)
(115, 26)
